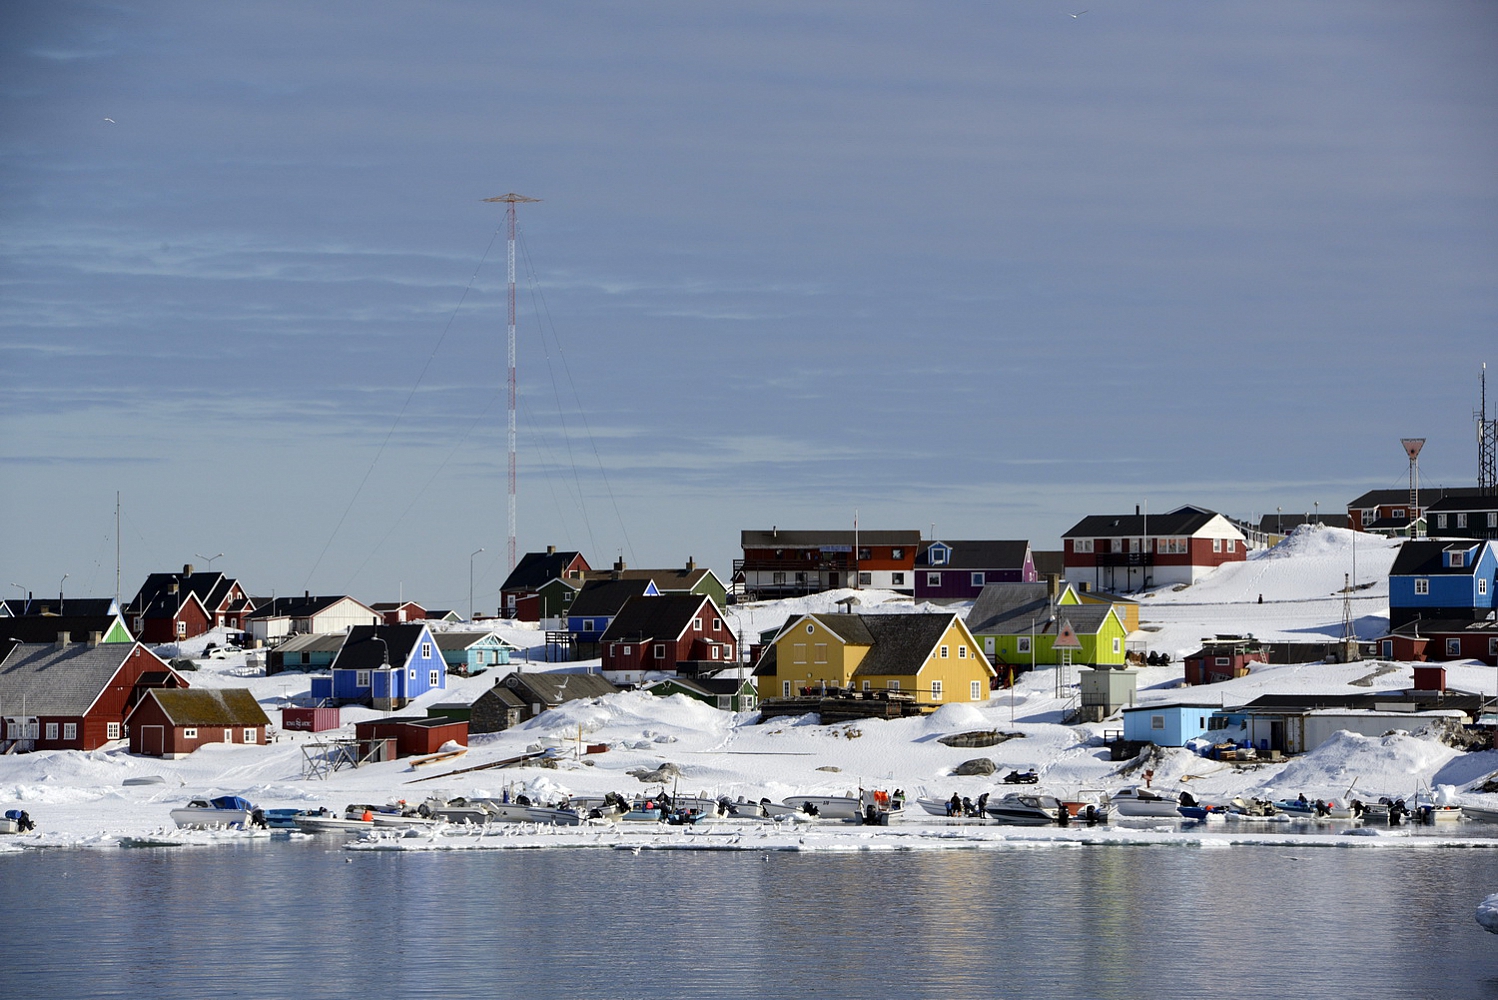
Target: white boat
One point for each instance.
(323, 821)
(1480, 814)
(934, 806)
(226, 810)
(1026, 809)
(1136, 801)
(879, 804)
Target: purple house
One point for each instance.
(958, 571)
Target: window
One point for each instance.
(893, 686)
(112, 731)
(977, 579)
(1458, 560)
(1024, 644)
(1232, 545)
(715, 648)
(51, 730)
(962, 652)
(1461, 520)
(228, 736)
(1157, 722)
(933, 579)
(426, 651)
(189, 733)
(938, 555)
(1453, 647)
(412, 674)
(361, 678)
(434, 678)
(717, 624)
(1422, 585)
(1081, 545)
(785, 689)
(936, 690)
(1220, 661)
(70, 730)
(819, 652)
(250, 736)
(1398, 511)
(865, 579)
(1493, 519)
(800, 577)
(1217, 722)
(975, 691)
(798, 652)
(867, 685)
(587, 624)
(724, 702)
(1482, 586)
(696, 624)
(1388, 649)
(1217, 545)
(897, 579)
(777, 578)
(1117, 644)
(624, 651)
(1440, 520)
(897, 553)
(944, 652)
(181, 629)
(1492, 647)
(865, 554)
(660, 651)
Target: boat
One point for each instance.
(1480, 814)
(1201, 812)
(281, 819)
(1089, 805)
(1026, 809)
(1252, 809)
(16, 821)
(1135, 801)
(879, 805)
(225, 810)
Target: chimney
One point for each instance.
(551, 550)
(172, 587)
(187, 569)
(691, 564)
(94, 638)
(306, 595)
(1136, 510)
(63, 638)
(618, 573)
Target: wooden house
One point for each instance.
(469, 653)
(33, 607)
(688, 579)
(275, 618)
(399, 612)
(727, 694)
(1129, 552)
(67, 695)
(385, 666)
(171, 606)
(596, 605)
(1223, 659)
(47, 628)
(523, 695)
(793, 563)
(1436, 639)
(673, 633)
(173, 722)
(959, 570)
(1464, 517)
(414, 735)
(1018, 623)
(1450, 579)
(932, 656)
(1388, 512)
(519, 594)
(305, 652)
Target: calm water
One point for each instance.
(305, 919)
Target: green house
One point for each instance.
(555, 598)
(729, 694)
(1017, 624)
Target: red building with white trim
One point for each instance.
(1130, 552)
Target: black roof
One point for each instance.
(1006, 554)
(1427, 627)
(1426, 496)
(157, 599)
(362, 651)
(1464, 503)
(536, 568)
(604, 598)
(1424, 557)
(38, 628)
(1460, 700)
(667, 616)
(775, 538)
(295, 607)
(32, 607)
(553, 688)
(898, 644)
(1186, 520)
(1049, 561)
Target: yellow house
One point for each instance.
(932, 656)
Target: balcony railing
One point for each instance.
(1125, 558)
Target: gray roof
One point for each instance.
(1085, 619)
(209, 706)
(1000, 600)
(448, 641)
(554, 688)
(811, 539)
(313, 642)
(977, 554)
(47, 680)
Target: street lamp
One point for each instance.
(59, 591)
(208, 559)
(1317, 504)
(23, 596)
(470, 583)
(1279, 520)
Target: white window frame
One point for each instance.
(250, 736)
(660, 651)
(962, 651)
(587, 624)
(943, 653)
(181, 629)
(228, 736)
(975, 691)
(426, 651)
(1157, 722)
(933, 579)
(411, 674)
(1117, 644)
(1081, 545)
(1461, 520)
(1023, 645)
(1458, 560)
(624, 651)
(977, 579)
(715, 650)
(936, 690)
(696, 624)
(1453, 647)
(1217, 545)
(190, 733)
(434, 678)
(892, 686)
(51, 730)
(717, 624)
(1422, 586)
(865, 579)
(1482, 586)
(868, 685)
(1232, 544)
(1440, 520)
(112, 731)
(785, 689)
(361, 678)
(70, 730)
(897, 579)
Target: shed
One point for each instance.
(413, 734)
(1105, 691)
(1168, 725)
(309, 720)
(457, 713)
(495, 710)
(173, 722)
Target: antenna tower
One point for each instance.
(1487, 443)
(511, 200)
(1412, 448)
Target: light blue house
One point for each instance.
(1168, 725)
(469, 653)
(1451, 579)
(386, 666)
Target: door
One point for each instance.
(153, 740)
(832, 581)
(1277, 735)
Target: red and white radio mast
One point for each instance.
(511, 200)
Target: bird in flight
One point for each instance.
(1079, 13)
(110, 121)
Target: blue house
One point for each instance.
(469, 653)
(386, 666)
(1168, 725)
(594, 608)
(1445, 579)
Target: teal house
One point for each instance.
(469, 653)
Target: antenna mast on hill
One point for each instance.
(1487, 443)
(1412, 448)
(511, 200)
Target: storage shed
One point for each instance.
(1168, 725)
(413, 734)
(173, 722)
(309, 720)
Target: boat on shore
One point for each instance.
(225, 810)
(872, 806)
(1135, 801)
(1026, 809)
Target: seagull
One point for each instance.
(637, 850)
(1079, 13)
(110, 121)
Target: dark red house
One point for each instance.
(175, 722)
(399, 612)
(672, 633)
(1223, 660)
(1122, 553)
(172, 606)
(68, 695)
(1436, 640)
(413, 734)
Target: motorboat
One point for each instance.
(1026, 809)
(1136, 801)
(869, 806)
(281, 819)
(324, 820)
(16, 821)
(1089, 805)
(225, 810)
(1201, 812)
(1480, 814)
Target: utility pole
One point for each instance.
(511, 200)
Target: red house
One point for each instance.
(174, 723)
(1139, 551)
(792, 563)
(1223, 660)
(69, 695)
(399, 612)
(521, 590)
(413, 734)
(1434, 640)
(172, 606)
(672, 633)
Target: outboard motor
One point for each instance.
(257, 818)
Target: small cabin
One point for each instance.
(413, 735)
(173, 722)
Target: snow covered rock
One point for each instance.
(1487, 913)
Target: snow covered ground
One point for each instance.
(80, 798)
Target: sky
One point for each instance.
(982, 268)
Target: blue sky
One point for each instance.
(987, 266)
